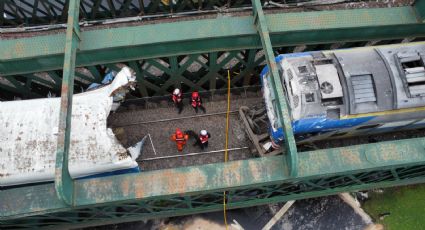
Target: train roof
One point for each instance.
(29, 128)
(355, 81)
(366, 80)
(406, 66)
(383, 78)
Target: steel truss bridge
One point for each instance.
(60, 46)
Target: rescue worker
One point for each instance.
(203, 139)
(196, 102)
(180, 138)
(178, 99)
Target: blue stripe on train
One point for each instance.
(104, 174)
(311, 125)
(116, 172)
(315, 125)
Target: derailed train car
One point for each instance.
(29, 128)
(348, 92)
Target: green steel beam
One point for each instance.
(119, 217)
(252, 173)
(100, 46)
(282, 105)
(400, 155)
(419, 6)
(64, 184)
(42, 12)
(18, 89)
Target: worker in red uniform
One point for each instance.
(196, 102)
(203, 139)
(180, 138)
(177, 98)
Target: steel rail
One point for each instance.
(168, 156)
(203, 92)
(173, 119)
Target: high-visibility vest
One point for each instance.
(203, 139)
(196, 101)
(177, 98)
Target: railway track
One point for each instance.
(160, 122)
(173, 119)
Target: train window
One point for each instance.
(286, 93)
(368, 126)
(296, 100)
(290, 75)
(280, 70)
(322, 61)
(291, 88)
(332, 101)
(364, 88)
(302, 69)
(309, 97)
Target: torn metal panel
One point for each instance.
(29, 136)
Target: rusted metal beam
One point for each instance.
(117, 44)
(282, 105)
(419, 6)
(63, 182)
(158, 191)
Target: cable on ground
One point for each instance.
(226, 145)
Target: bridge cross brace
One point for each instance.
(63, 182)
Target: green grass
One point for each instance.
(406, 206)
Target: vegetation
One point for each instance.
(398, 208)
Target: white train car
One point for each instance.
(28, 137)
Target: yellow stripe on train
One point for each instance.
(353, 49)
(384, 113)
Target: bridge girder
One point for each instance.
(200, 188)
(40, 52)
(182, 191)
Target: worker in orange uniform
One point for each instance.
(177, 98)
(180, 138)
(196, 102)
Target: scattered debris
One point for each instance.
(278, 215)
(383, 215)
(374, 227)
(136, 149)
(347, 198)
(236, 225)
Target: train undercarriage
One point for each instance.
(256, 126)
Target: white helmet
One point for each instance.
(176, 91)
(204, 132)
